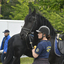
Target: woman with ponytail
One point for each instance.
(41, 53)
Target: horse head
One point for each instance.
(30, 24)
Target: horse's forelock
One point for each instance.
(27, 18)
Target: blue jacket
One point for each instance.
(5, 44)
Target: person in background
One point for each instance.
(4, 44)
(41, 53)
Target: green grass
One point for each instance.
(26, 60)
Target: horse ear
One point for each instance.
(34, 12)
(30, 11)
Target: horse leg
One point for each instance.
(17, 54)
(16, 60)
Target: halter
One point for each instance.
(30, 30)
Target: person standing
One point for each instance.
(41, 53)
(4, 44)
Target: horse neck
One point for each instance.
(40, 22)
(43, 21)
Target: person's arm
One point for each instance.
(34, 54)
(6, 45)
(1, 45)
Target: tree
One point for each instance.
(6, 8)
(53, 10)
(21, 10)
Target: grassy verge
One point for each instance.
(26, 60)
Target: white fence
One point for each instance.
(13, 25)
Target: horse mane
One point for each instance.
(41, 20)
(44, 21)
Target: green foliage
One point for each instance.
(1, 16)
(20, 11)
(26, 60)
(56, 20)
(53, 10)
(6, 8)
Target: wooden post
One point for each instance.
(0, 8)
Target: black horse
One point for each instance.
(39, 21)
(18, 46)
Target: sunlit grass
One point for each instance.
(0, 63)
(26, 60)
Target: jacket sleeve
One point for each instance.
(6, 45)
(1, 45)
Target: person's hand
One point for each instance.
(4, 52)
(35, 47)
(34, 54)
(33, 50)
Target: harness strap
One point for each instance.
(31, 41)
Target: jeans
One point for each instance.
(2, 57)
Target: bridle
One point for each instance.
(29, 32)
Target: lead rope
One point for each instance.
(31, 42)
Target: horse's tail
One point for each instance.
(9, 55)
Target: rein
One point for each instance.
(31, 43)
(30, 30)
